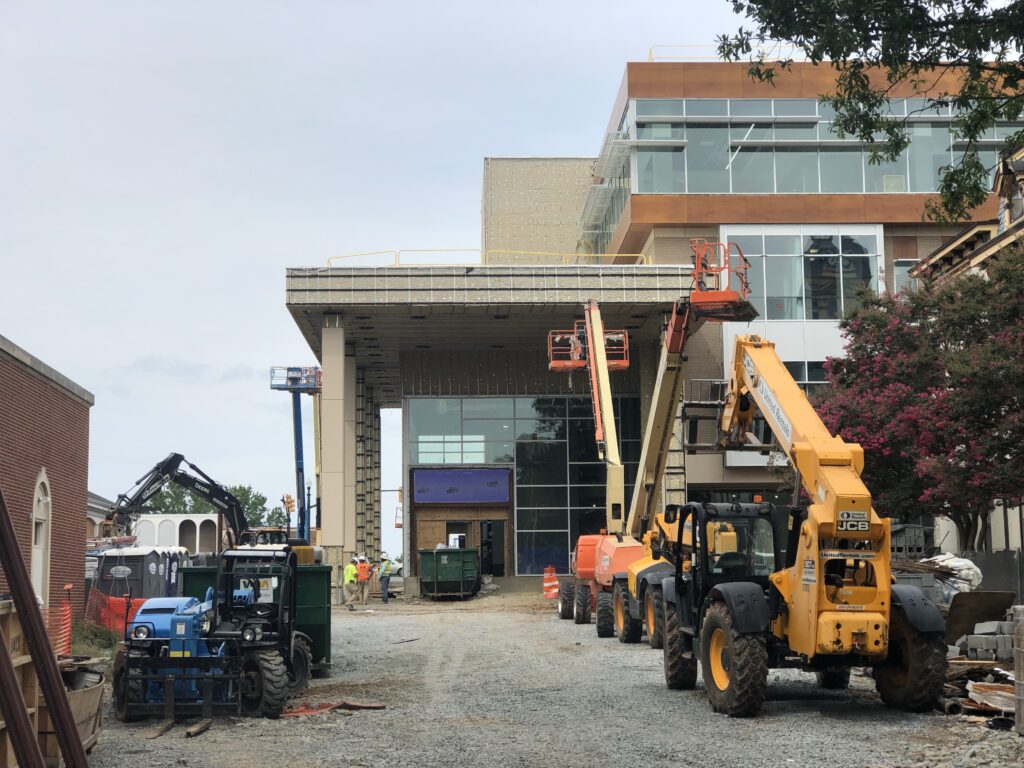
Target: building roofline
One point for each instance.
(590, 158)
(12, 350)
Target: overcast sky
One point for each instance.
(161, 164)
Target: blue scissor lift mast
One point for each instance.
(298, 381)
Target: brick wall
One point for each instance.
(44, 426)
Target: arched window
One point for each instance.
(42, 513)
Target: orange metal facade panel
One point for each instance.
(647, 211)
(708, 79)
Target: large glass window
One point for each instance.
(536, 550)
(929, 152)
(661, 131)
(659, 107)
(796, 170)
(706, 108)
(886, 177)
(784, 288)
(660, 170)
(753, 169)
(817, 275)
(841, 169)
(901, 279)
(821, 287)
(708, 158)
(858, 278)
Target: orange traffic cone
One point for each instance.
(550, 583)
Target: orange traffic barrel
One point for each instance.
(550, 583)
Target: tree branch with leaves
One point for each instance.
(964, 54)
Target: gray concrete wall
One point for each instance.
(532, 204)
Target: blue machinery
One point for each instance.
(298, 381)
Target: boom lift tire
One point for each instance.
(264, 684)
(834, 678)
(302, 666)
(654, 613)
(913, 675)
(680, 663)
(581, 604)
(565, 595)
(735, 665)
(605, 614)
(126, 692)
(629, 630)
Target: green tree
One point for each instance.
(175, 500)
(963, 53)
(932, 387)
(277, 518)
(253, 502)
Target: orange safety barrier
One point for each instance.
(550, 583)
(58, 624)
(113, 613)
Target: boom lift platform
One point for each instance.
(720, 293)
(299, 381)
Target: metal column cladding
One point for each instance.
(461, 486)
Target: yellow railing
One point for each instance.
(565, 257)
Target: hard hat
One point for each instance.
(355, 560)
(362, 558)
(383, 555)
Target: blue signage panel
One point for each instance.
(460, 486)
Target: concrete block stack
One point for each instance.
(1018, 662)
(991, 641)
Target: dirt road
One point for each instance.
(500, 681)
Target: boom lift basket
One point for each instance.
(567, 350)
(721, 290)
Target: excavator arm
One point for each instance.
(202, 485)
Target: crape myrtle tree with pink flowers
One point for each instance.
(932, 386)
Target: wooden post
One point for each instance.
(43, 657)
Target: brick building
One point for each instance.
(44, 462)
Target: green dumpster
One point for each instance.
(449, 572)
(312, 609)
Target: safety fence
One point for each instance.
(109, 612)
(58, 622)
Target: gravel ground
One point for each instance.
(500, 681)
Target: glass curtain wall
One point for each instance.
(786, 146)
(814, 276)
(549, 442)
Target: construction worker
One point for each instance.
(348, 594)
(363, 573)
(385, 576)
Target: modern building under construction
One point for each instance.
(498, 452)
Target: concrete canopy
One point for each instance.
(387, 311)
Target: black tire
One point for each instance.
(735, 665)
(605, 614)
(680, 663)
(914, 674)
(126, 692)
(302, 666)
(654, 617)
(264, 684)
(834, 678)
(628, 629)
(565, 595)
(581, 604)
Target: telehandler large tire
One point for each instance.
(654, 617)
(264, 684)
(680, 663)
(834, 678)
(605, 614)
(914, 674)
(628, 629)
(565, 595)
(581, 604)
(735, 665)
(125, 692)
(302, 667)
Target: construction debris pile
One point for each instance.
(981, 679)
